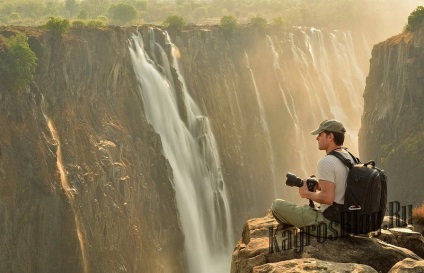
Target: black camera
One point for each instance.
(295, 181)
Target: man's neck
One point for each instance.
(333, 148)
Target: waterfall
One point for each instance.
(265, 127)
(341, 67)
(318, 75)
(289, 104)
(190, 147)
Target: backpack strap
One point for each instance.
(357, 160)
(343, 159)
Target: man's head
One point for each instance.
(333, 130)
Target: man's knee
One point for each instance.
(276, 204)
(276, 212)
(283, 211)
(281, 207)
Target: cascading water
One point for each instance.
(289, 104)
(265, 127)
(319, 78)
(190, 147)
(351, 76)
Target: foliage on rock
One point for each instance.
(258, 21)
(229, 24)
(174, 22)
(57, 26)
(17, 62)
(415, 19)
(280, 22)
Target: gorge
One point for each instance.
(138, 151)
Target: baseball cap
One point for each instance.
(330, 125)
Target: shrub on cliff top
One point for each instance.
(418, 215)
(94, 24)
(258, 21)
(57, 26)
(17, 62)
(229, 24)
(415, 19)
(280, 22)
(78, 24)
(174, 22)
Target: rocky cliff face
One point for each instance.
(114, 208)
(392, 123)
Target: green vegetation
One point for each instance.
(229, 24)
(258, 21)
(71, 7)
(366, 16)
(17, 62)
(123, 13)
(83, 15)
(280, 22)
(78, 24)
(174, 22)
(57, 26)
(94, 24)
(411, 145)
(415, 19)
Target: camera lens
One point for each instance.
(293, 180)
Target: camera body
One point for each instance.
(295, 181)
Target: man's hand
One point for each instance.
(303, 191)
(325, 196)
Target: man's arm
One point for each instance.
(325, 196)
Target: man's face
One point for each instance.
(323, 140)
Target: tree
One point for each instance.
(229, 24)
(17, 62)
(280, 22)
(174, 22)
(415, 19)
(57, 26)
(83, 15)
(140, 4)
(123, 13)
(71, 6)
(258, 21)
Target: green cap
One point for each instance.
(330, 125)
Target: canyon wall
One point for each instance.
(118, 212)
(85, 186)
(392, 129)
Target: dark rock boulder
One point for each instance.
(418, 228)
(404, 237)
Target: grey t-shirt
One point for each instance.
(330, 168)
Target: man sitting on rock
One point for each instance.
(331, 175)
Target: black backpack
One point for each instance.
(365, 198)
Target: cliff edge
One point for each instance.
(263, 248)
